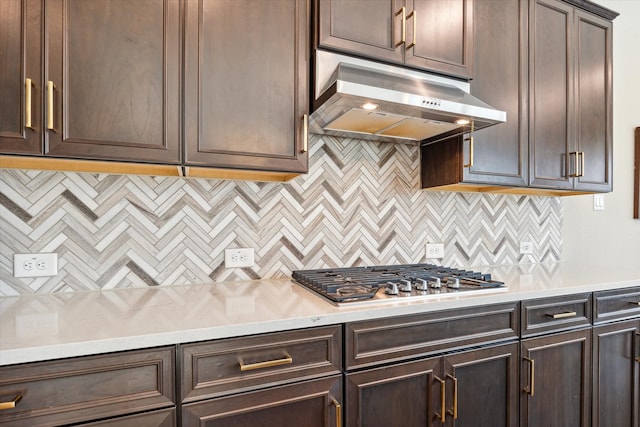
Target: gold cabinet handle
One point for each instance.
(576, 172)
(338, 412)
(531, 388)
(11, 403)
(305, 133)
(403, 20)
(581, 156)
(470, 139)
(635, 302)
(443, 395)
(28, 84)
(454, 411)
(638, 335)
(286, 360)
(50, 89)
(562, 315)
(413, 15)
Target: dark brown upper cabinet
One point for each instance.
(548, 65)
(499, 154)
(246, 84)
(435, 35)
(109, 88)
(21, 76)
(570, 127)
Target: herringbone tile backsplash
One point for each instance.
(358, 205)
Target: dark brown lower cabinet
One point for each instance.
(555, 379)
(616, 374)
(472, 388)
(312, 403)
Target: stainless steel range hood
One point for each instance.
(409, 105)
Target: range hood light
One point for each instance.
(462, 121)
(369, 106)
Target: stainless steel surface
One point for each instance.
(394, 283)
(411, 106)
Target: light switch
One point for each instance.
(598, 202)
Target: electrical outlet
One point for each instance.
(598, 202)
(526, 248)
(435, 250)
(238, 257)
(35, 265)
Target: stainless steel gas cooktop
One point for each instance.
(394, 282)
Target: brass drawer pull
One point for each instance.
(562, 315)
(531, 388)
(443, 395)
(338, 412)
(635, 303)
(286, 360)
(11, 403)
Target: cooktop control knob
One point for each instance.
(422, 285)
(453, 282)
(434, 282)
(405, 285)
(391, 289)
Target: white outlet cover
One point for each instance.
(35, 265)
(238, 258)
(526, 248)
(434, 250)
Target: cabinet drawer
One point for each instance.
(88, 388)
(616, 305)
(555, 314)
(239, 364)
(393, 339)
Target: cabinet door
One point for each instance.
(370, 28)
(500, 152)
(116, 70)
(443, 37)
(593, 102)
(555, 377)
(482, 387)
(408, 395)
(551, 121)
(20, 59)
(616, 374)
(246, 90)
(309, 404)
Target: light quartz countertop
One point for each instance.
(43, 327)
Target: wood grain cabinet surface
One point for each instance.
(434, 35)
(570, 83)
(246, 84)
(420, 371)
(92, 388)
(616, 358)
(548, 65)
(108, 88)
(283, 378)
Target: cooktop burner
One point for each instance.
(392, 282)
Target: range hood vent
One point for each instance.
(409, 106)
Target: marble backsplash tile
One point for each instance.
(359, 204)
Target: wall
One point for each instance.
(358, 205)
(612, 236)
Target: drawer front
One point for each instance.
(232, 365)
(616, 305)
(394, 339)
(88, 388)
(555, 314)
(314, 403)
